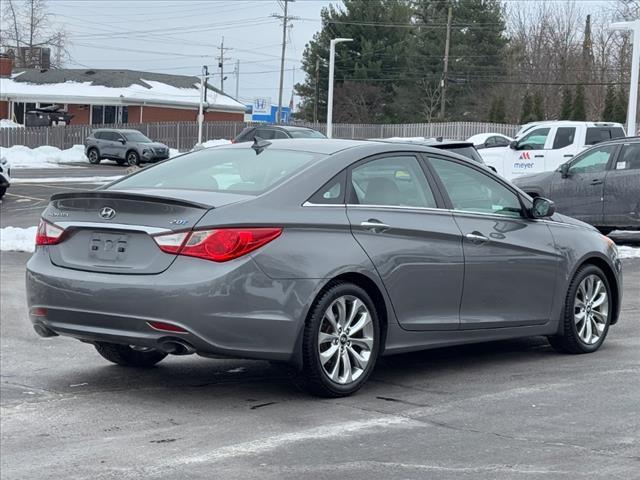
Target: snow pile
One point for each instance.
(94, 179)
(42, 157)
(626, 251)
(17, 239)
(6, 123)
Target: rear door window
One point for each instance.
(279, 135)
(565, 136)
(265, 133)
(601, 134)
(237, 170)
(396, 181)
(629, 158)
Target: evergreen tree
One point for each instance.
(497, 112)
(608, 114)
(579, 109)
(620, 107)
(527, 109)
(566, 110)
(538, 105)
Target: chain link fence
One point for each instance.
(184, 135)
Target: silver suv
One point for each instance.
(127, 147)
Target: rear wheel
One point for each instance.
(3, 190)
(121, 161)
(587, 312)
(341, 341)
(128, 356)
(94, 156)
(133, 158)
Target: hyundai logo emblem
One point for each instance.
(107, 213)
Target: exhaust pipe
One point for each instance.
(176, 347)
(44, 331)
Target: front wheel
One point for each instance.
(3, 190)
(133, 158)
(587, 312)
(128, 356)
(341, 341)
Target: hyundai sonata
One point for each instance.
(325, 254)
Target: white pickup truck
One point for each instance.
(547, 145)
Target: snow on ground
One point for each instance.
(42, 157)
(6, 123)
(94, 179)
(17, 239)
(626, 251)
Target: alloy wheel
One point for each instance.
(591, 309)
(346, 339)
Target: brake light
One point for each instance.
(219, 245)
(48, 234)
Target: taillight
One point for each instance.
(220, 245)
(48, 234)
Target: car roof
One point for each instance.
(427, 142)
(618, 140)
(572, 123)
(122, 130)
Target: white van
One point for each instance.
(547, 145)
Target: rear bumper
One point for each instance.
(230, 309)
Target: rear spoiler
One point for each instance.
(108, 195)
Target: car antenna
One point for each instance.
(259, 144)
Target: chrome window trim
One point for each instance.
(114, 226)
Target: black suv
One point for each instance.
(271, 132)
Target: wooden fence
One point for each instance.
(184, 135)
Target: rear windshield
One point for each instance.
(466, 151)
(222, 170)
(305, 133)
(602, 134)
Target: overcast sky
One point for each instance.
(181, 36)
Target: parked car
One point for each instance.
(600, 186)
(126, 147)
(5, 176)
(271, 132)
(47, 117)
(547, 145)
(325, 254)
(489, 140)
(460, 147)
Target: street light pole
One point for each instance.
(332, 60)
(635, 72)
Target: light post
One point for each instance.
(635, 72)
(332, 59)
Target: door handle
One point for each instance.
(539, 156)
(476, 237)
(596, 181)
(375, 226)
(568, 156)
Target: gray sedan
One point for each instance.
(324, 254)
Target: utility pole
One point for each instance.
(317, 92)
(443, 84)
(221, 59)
(635, 73)
(236, 72)
(285, 24)
(332, 61)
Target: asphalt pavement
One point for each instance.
(501, 410)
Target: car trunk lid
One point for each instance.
(111, 231)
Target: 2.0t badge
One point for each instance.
(107, 213)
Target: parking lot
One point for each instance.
(503, 410)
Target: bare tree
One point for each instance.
(430, 99)
(27, 26)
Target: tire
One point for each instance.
(121, 161)
(585, 335)
(94, 156)
(337, 374)
(128, 357)
(133, 158)
(3, 190)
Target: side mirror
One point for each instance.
(513, 145)
(123, 141)
(542, 208)
(564, 170)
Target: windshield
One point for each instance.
(467, 151)
(136, 137)
(305, 133)
(231, 170)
